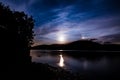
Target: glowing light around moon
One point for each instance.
(61, 38)
(61, 63)
(83, 37)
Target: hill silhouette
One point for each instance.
(80, 45)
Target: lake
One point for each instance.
(82, 62)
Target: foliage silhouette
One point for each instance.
(16, 33)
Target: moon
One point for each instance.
(61, 39)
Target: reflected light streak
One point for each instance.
(61, 63)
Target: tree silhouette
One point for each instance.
(16, 34)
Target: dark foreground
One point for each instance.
(46, 72)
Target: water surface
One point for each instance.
(83, 62)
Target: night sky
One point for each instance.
(61, 21)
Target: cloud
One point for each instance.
(19, 5)
(92, 28)
(73, 18)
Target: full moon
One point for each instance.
(61, 39)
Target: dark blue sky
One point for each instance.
(70, 20)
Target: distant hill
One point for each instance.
(79, 45)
